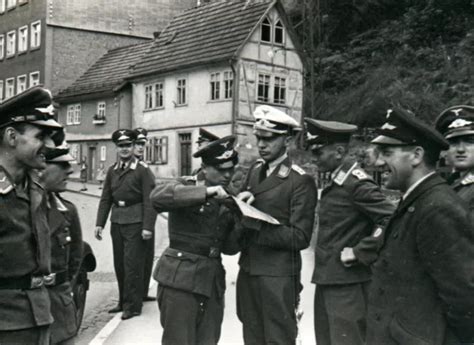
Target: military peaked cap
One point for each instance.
(320, 133)
(141, 134)
(219, 153)
(456, 121)
(403, 128)
(34, 106)
(270, 121)
(124, 136)
(206, 136)
(58, 154)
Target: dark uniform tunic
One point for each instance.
(270, 263)
(190, 273)
(24, 255)
(127, 193)
(423, 281)
(465, 188)
(66, 255)
(353, 213)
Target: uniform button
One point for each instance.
(68, 238)
(411, 209)
(201, 304)
(180, 254)
(66, 228)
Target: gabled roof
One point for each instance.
(107, 73)
(208, 33)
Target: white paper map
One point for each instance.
(251, 212)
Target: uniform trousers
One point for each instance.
(266, 307)
(148, 265)
(63, 310)
(128, 249)
(340, 313)
(31, 336)
(188, 318)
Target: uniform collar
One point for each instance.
(55, 201)
(339, 176)
(467, 179)
(417, 183)
(273, 164)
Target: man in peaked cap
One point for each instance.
(139, 150)
(422, 289)
(26, 125)
(66, 244)
(268, 284)
(190, 275)
(348, 245)
(126, 192)
(457, 125)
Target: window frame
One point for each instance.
(266, 85)
(181, 92)
(11, 34)
(35, 29)
(3, 6)
(1, 89)
(103, 153)
(32, 74)
(161, 97)
(11, 4)
(215, 86)
(101, 108)
(24, 39)
(24, 83)
(2, 46)
(73, 114)
(7, 86)
(281, 87)
(228, 84)
(279, 26)
(267, 23)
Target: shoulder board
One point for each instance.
(283, 171)
(340, 177)
(5, 185)
(360, 174)
(142, 163)
(115, 166)
(468, 179)
(298, 169)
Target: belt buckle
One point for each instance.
(50, 279)
(121, 203)
(214, 252)
(36, 282)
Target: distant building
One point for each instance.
(53, 42)
(208, 68)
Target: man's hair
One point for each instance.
(19, 127)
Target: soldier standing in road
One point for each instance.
(126, 194)
(26, 122)
(352, 216)
(422, 289)
(66, 245)
(457, 125)
(139, 151)
(190, 274)
(268, 284)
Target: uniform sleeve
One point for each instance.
(149, 213)
(76, 246)
(297, 234)
(369, 199)
(446, 245)
(105, 200)
(175, 194)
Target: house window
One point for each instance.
(11, 3)
(11, 43)
(21, 2)
(157, 151)
(1, 91)
(2, 6)
(185, 153)
(34, 78)
(263, 88)
(35, 34)
(158, 95)
(74, 151)
(100, 110)
(22, 39)
(73, 116)
(228, 84)
(279, 91)
(103, 153)
(2, 46)
(149, 97)
(10, 88)
(181, 88)
(21, 84)
(266, 30)
(215, 85)
(279, 35)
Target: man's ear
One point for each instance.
(340, 151)
(288, 140)
(418, 155)
(10, 136)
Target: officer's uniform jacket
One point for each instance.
(66, 256)
(24, 252)
(289, 195)
(423, 280)
(353, 213)
(198, 232)
(465, 188)
(127, 194)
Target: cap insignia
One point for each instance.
(225, 155)
(309, 136)
(389, 111)
(459, 123)
(456, 111)
(265, 123)
(48, 110)
(388, 126)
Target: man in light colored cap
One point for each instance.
(26, 126)
(457, 125)
(190, 275)
(66, 244)
(422, 289)
(126, 195)
(353, 213)
(268, 284)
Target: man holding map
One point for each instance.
(268, 284)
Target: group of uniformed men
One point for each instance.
(385, 273)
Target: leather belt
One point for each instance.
(123, 203)
(209, 251)
(57, 278)
(27, 282)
